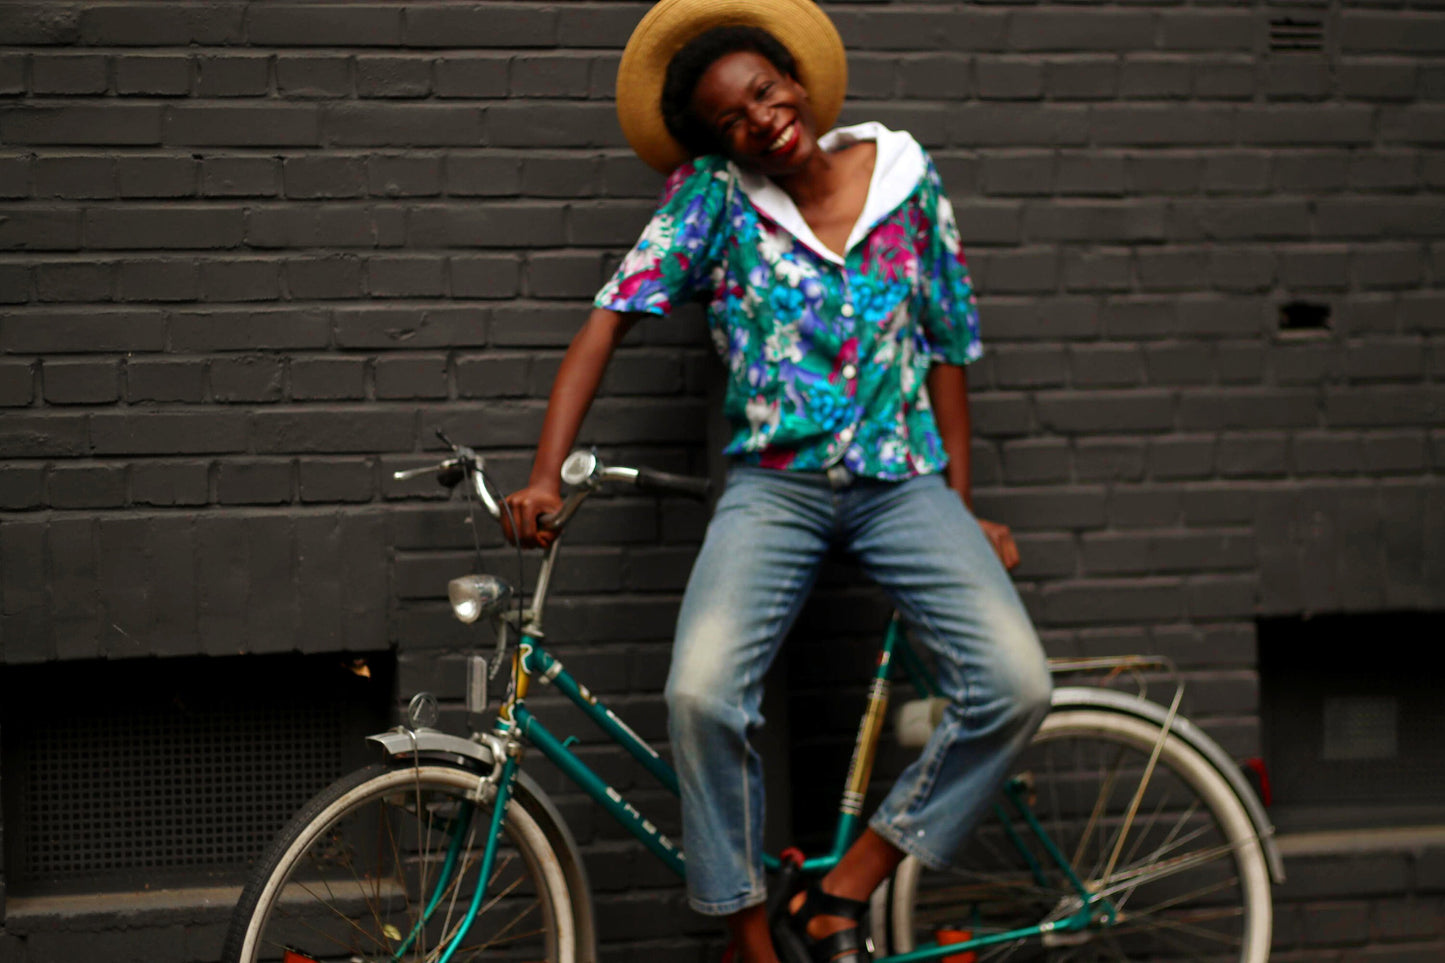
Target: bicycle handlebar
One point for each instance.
(467, 463)
(410, 473)
(649, 479)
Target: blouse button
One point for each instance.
(847, 310)
(850, 372)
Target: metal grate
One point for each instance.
(156, 790)
(173, 772)
(1361, 727)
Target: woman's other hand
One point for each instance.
(526, 505)
(1002, 540)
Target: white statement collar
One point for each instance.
(896, 172)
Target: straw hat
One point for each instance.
(668, 27)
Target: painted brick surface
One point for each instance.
(253, 254)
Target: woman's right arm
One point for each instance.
(572, 392)
(669, 265)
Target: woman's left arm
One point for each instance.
(948, 394)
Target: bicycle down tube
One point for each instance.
(533, 657)
(536, 661)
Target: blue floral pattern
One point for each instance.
(826, 362)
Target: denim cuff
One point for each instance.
(907, 842)
(727, 907)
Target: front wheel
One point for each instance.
(383, 865)
(1185, 875)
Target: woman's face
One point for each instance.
(759, 114)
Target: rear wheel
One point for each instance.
(1186, 872)
(383, 865)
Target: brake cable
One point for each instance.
(472, 498)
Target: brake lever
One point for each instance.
(410, 473)
(474, 462)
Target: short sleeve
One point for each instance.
(949, 311)
(672, 261)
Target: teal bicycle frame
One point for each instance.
(532, 661)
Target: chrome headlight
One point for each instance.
(473, 596)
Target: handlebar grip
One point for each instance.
(650, 479)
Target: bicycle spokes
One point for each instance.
(1112, 844)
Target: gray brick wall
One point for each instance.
(252, 254)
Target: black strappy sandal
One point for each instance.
(844, 946)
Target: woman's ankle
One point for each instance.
(750, 935)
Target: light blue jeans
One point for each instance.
(761, 556)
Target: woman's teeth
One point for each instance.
(782, 138)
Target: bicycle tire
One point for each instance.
(1190, 878)
(351, 874)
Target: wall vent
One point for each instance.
(176, 772)
(1303, 317)
(1297, 34)
(1351, 718)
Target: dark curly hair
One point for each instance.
(692, 61)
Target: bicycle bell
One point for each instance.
(422, 712)
(579, 467)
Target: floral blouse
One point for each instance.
(826, 355)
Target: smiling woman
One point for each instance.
(750, 107)
(756, 111)
(840, 302)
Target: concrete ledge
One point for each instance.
(1403, 839)
(30, 912)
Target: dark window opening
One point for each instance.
(173, 772)
(1352, 720)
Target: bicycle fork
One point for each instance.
(459, 830)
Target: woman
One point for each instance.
(839, 300)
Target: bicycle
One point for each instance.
(1125, 831)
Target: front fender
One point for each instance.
(1078, 697)
(431, 742)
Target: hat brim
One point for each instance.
(670, 25)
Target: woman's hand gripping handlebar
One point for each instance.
(532, 508)
(541, 512)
